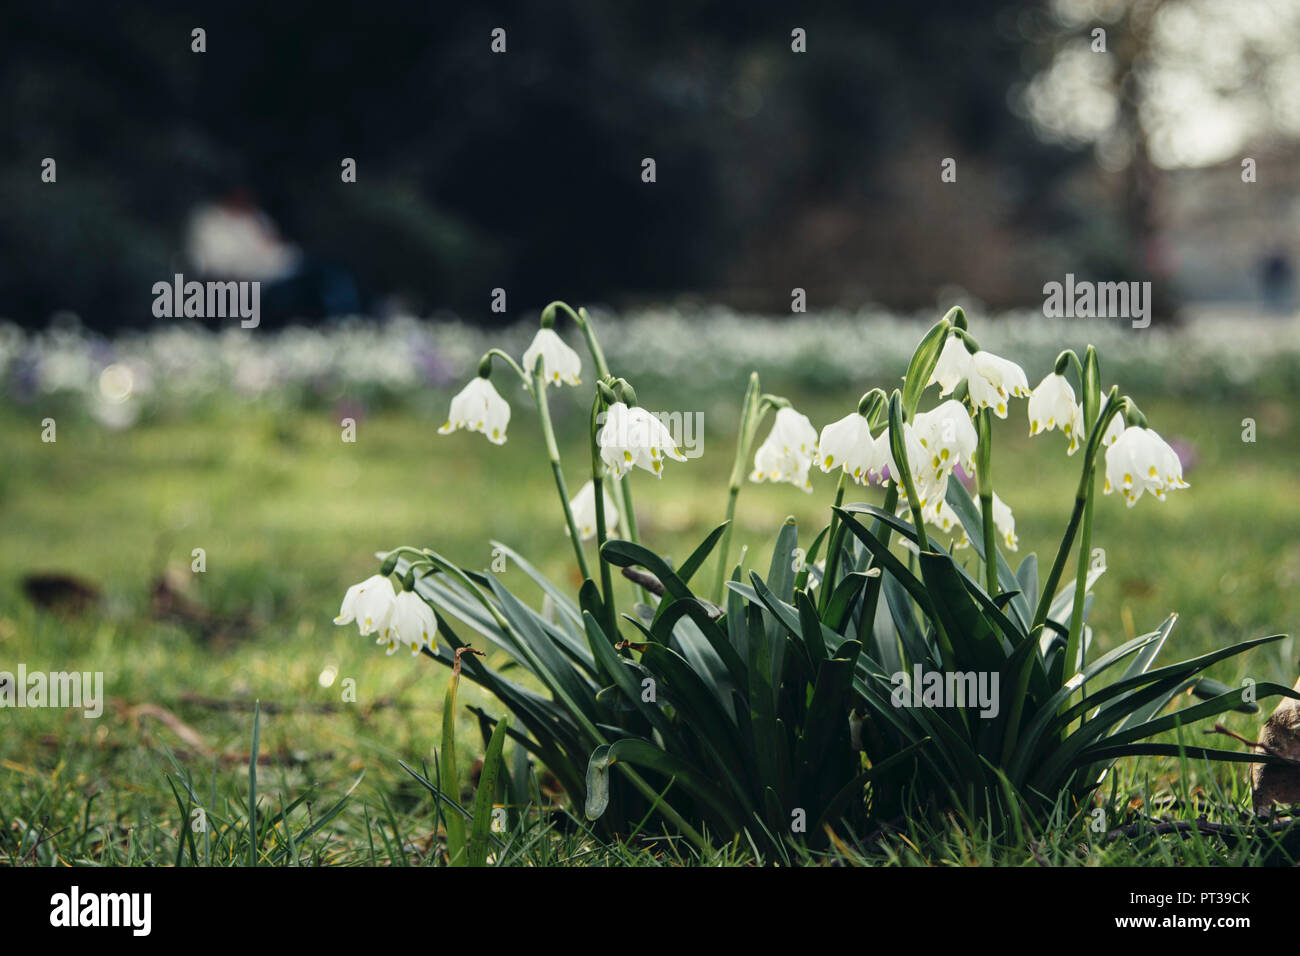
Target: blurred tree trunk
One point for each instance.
(1130, 44)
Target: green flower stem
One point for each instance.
(598, 487)
(622, 488)
(750, 413)
(1075, 640)
(497, 353)
(724, 545)
(1114, 405)
(553, 452)
(984, 477)
(1090, 393)
(624, 498)
(836, 542)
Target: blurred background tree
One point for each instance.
(521, 170)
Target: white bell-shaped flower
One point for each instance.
(953, 365)
(559, 362)
(1141, 461)
(941, 515)
(787, 452)
(1052, 405)
(949, 438)
(368, 604)
(1003, 520)
(930, 485)
(632, 437)
(478, 408)
(583, 507)
(1114, 429)
(993, 380)
(410, 621)
(848, 444)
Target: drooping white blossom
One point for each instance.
(1141, 461)
(787, 452)
(583, 507)
(409, 621)
(1052, 405)
(953, 365)
(367, 603)
(559, 362)
(478, 408)
(1114, 429)
(848, 444)
(632, 437)
(1003, 520)
(993, 380)
(948, 437)
(930, 485)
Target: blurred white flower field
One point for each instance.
(174, 367)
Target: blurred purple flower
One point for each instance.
(349, 408)
(24, 378)
(433, 368)
(1186, 452)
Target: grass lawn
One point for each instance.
(289, 515)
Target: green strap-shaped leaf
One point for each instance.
(843, 598)
(701, 553)
(563, 602)
(780, 575)
(762, 707)
(449, 778)
(711, 631)
(479, 839)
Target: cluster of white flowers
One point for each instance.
(938, 443)
(631, 437)
(397, 618)
(479, 407)
(944, 439)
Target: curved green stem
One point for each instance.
(750, 413)
(1114, 405)
(1090, 393)
(505, 357)
(553, 452)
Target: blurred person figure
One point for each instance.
(233, 239)
(1277, 276)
